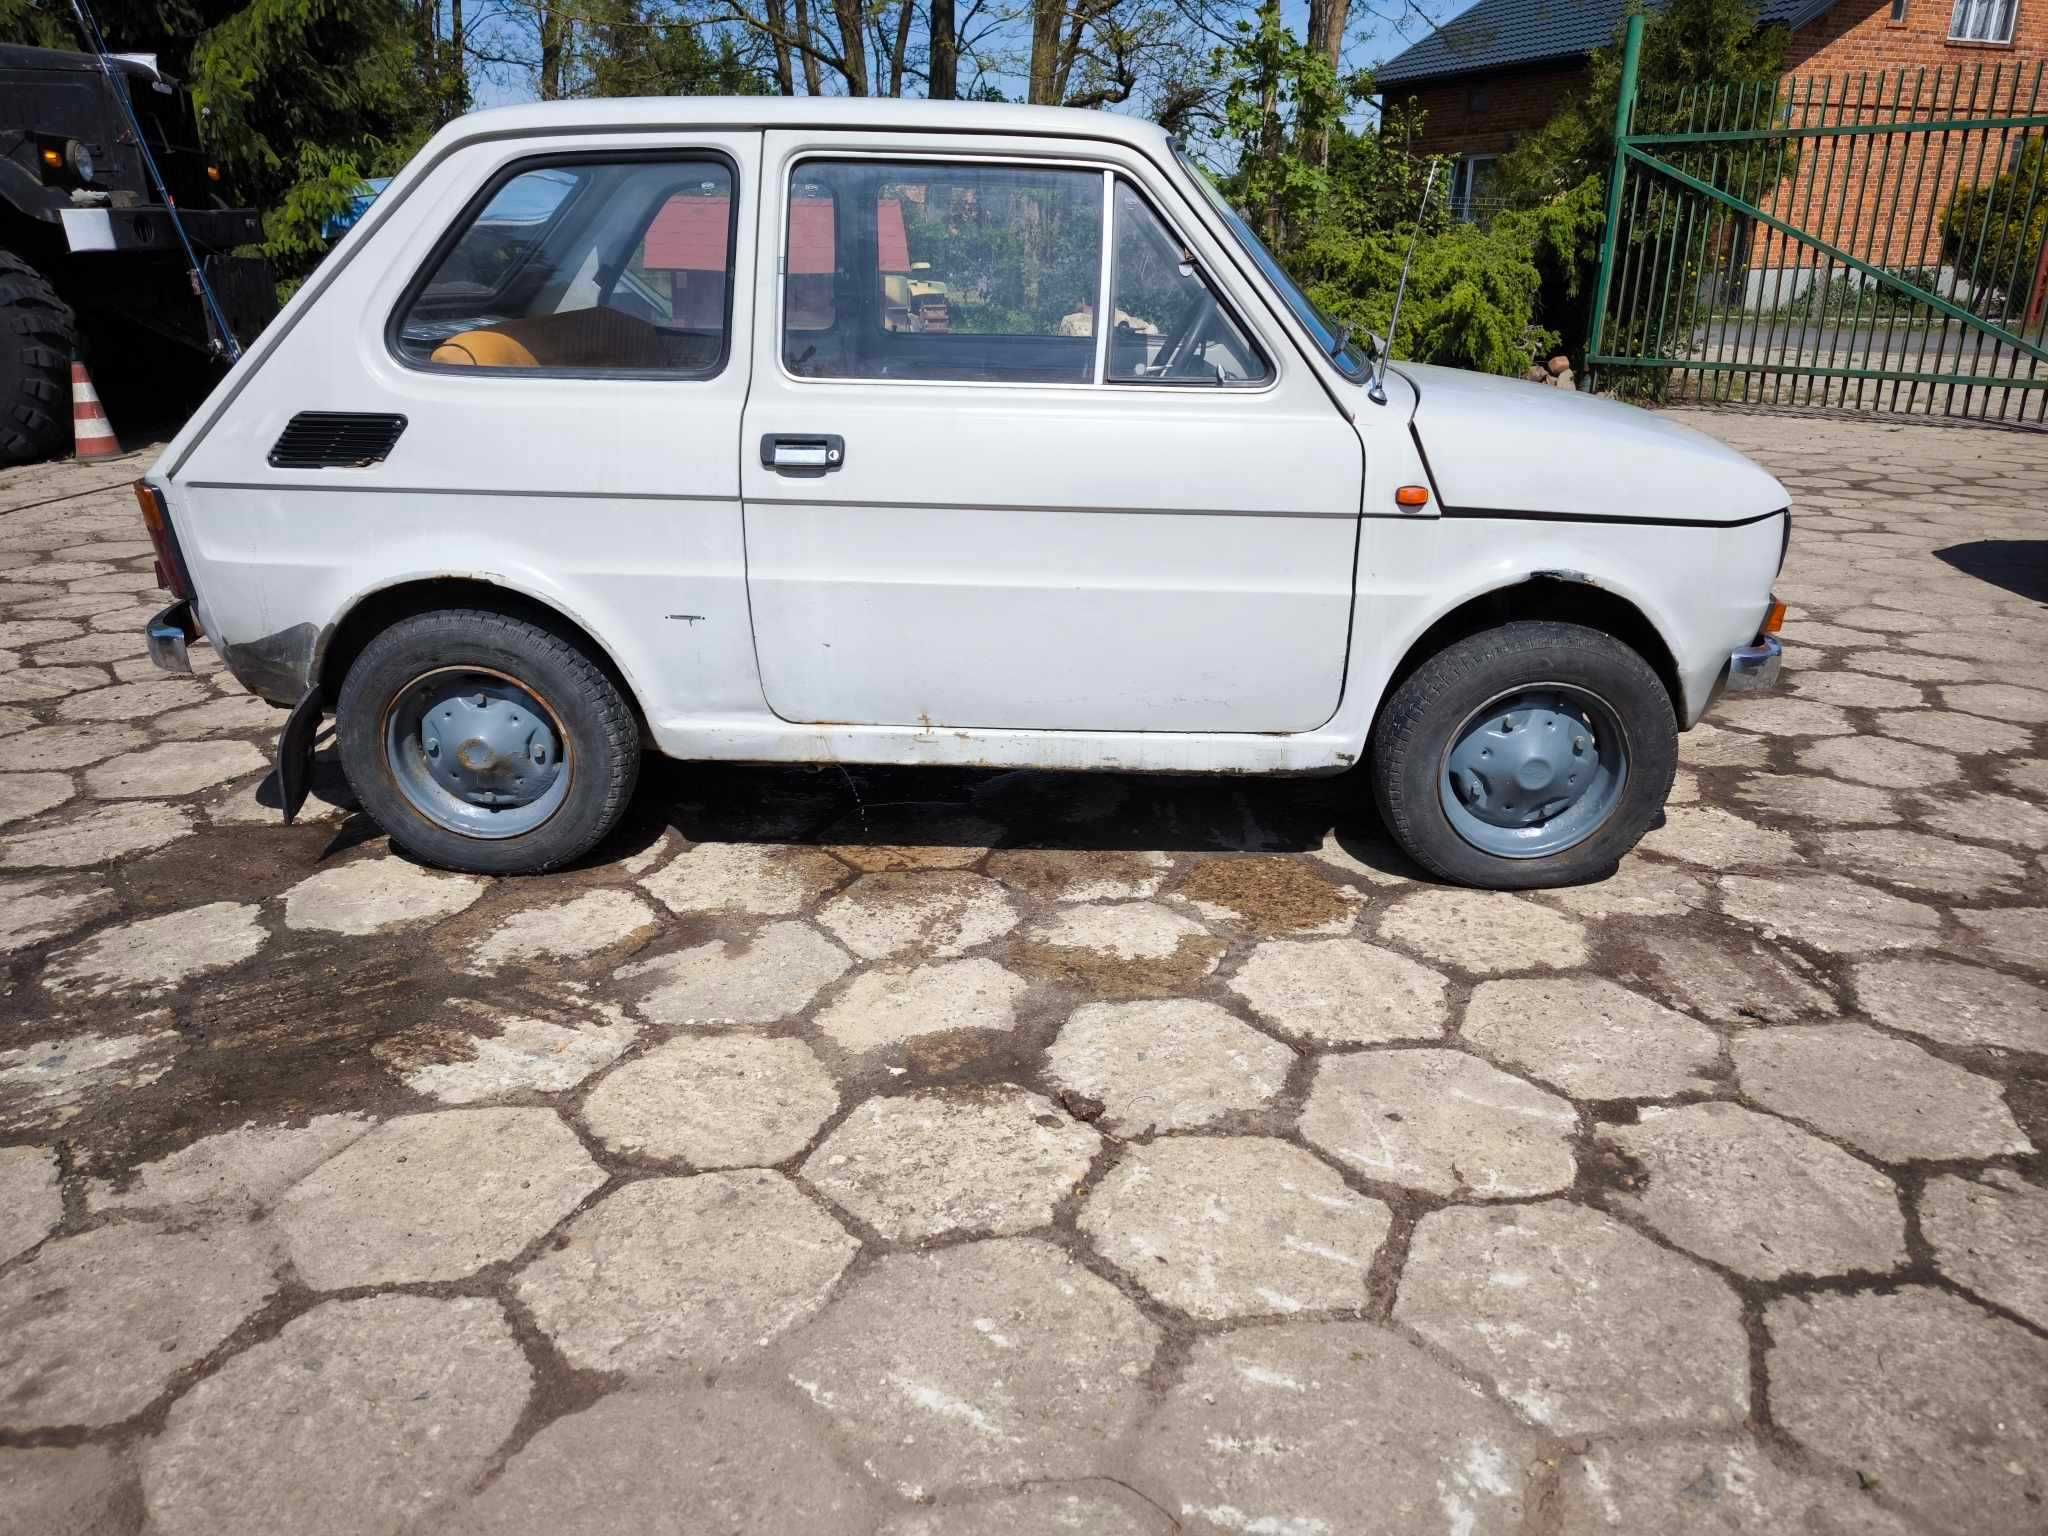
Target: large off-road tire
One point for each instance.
(1532, 755)
(37, 336)
(486, 743)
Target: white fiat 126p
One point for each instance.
(884, 432)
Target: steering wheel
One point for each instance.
(1184, 360)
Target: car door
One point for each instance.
(972, 503)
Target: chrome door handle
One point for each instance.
(803, 453)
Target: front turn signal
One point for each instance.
(1774, 619)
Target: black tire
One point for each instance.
(1415, 730)
(602, 736)
(38, 334)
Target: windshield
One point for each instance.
(1347, 354)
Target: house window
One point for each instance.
(1471, 186)
(1899, 12)
(1983, 21)
(1479, 96)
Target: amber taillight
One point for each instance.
(156, 517)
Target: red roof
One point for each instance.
(688, 235)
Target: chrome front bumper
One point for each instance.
(1754, 668)
(171, 634)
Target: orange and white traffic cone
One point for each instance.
(89, 425)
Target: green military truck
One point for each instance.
(89, 260)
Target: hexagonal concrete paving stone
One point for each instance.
(30, 794)
(1883, 1096)
(1998, 701)
(235, 1173)
(66, 746)
(1486, 931)
(1235, 1226)
(1952, 732)
(48, 1083)
(1857, 690)
(1955, 1003)
(1119, 949)
(1815, 797)
(1706, 745)
(138, 1302)
(434, 1197)
(80, 1490)
(359, 1417)
(1591, 1038)
(31, 1200)
(1989, 818)
(888, 1006)
(728, 981)
(1166, 1066)
(35, 910)
(156, 954)
(910, 836)
(375, 895)
(1341, 991)
(123, 701)
(1729, 1487)
(107, 833)
(2028, 776)
(1083, 1507)
(654, 1462)
(1639, 888)
(1990, 1233)
(763, 879)
(174, 768)
(1582, 1324)
(1757, 1195)
(523, 1053)
(1731, 979)
(991, 1363)
(1935, 1401)
(1922, 863)
(222, 717)
(720, 1101)
(669, 1276)
(578, 929)
(1783, 715)
(1880, 761)
(1308, 1428)
(2016, 935)
(1442, 1122)
(1830, 913)
(1717, 839)
(1081, 874)
(935, 915)
(995, 1160)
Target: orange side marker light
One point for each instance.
(1412, 496)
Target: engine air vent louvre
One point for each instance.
(335, 440)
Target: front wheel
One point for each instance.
(1532, 755)
(485, 743)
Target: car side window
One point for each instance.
(1167, 324)
(584, 267)
(942, 270)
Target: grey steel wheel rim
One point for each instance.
(1534, 770)
(478, 752)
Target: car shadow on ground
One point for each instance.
(2020, 566)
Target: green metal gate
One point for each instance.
(1875, 242)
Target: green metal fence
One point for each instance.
(1874, 242)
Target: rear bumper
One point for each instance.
(171, 634)
(1753, 668)
(149, 228)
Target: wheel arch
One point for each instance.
(1567, 597)
(379, 608)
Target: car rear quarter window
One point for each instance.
(942, 271)
(584, 266)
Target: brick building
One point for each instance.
(1500, 68)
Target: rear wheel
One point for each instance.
(486, 743)
(1532, 755)
(37, 336)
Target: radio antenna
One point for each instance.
(1378, 393)
(223, 338)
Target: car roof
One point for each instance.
(744, 112)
